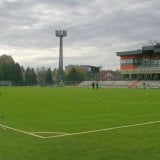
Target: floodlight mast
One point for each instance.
(61, 34)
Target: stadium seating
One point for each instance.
(122, 84)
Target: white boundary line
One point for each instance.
(51, 132)
(21, 131)
(106, 129)
(78, 133)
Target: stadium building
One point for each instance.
(142, 64)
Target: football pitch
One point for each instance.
(47, 123)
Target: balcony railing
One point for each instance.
(142, 70)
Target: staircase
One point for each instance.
(134, 84)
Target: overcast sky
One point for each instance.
(97, 29)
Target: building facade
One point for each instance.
(109, 75)
(92, 72)
(142, 64)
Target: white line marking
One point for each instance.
(50, 132)
(78, 133)
(101, 130)
(21, 131)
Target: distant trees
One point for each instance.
(75, 74)
(41, 76)
(44, 76)
(49, 79)
(16, 74)
(155, 43)
(9, 70)
(30, 77)
(12, 73)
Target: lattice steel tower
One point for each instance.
(61, 34)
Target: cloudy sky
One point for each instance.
(97, 29)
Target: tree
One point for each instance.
(7, 68)
(18, 74)
(55, 75)
(41, 76)
(49, 79)
(155, 43)
(30, 76)
(44, 76)
(75, 75)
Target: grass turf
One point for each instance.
(71, 110)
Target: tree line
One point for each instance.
(11, 71)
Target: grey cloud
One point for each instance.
(106, 25)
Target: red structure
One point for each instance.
(142, 64)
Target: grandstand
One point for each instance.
(140, 69)
(123, 84)
(142, 64)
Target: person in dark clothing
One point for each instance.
(93, 85)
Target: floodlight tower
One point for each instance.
(61, 34)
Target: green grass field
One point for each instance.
(74, 110)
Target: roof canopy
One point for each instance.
(148, 49)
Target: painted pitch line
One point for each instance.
(78, 133)
(52, 132)
(21, 131)
(106, 129)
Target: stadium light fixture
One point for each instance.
(60, 34)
